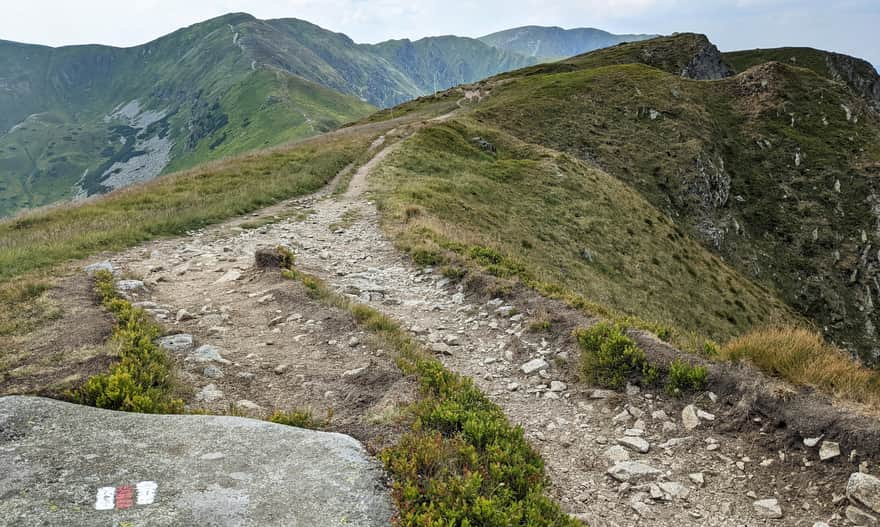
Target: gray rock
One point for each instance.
(812, 441)
(183, 315)
(212, 372)
(209, 393)
(636, 444)
(689, 417)
(675, 489)
(130, 285)
(616, 454)
(558, 386)
(180, 343)
(768, 508)
(208, 353)
(93, 269)
(632, 471)
(864, 489)
(229, 276)
(861, 518)
(259, 473)
(534, 366)
(829, 450)
(697, 478)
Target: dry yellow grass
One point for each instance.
(803, 358)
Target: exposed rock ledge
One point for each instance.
(77, 466)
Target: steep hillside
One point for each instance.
(551, 43)
(77, 121)
(775, 170)
(858, 74)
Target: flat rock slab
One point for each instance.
(74, 466)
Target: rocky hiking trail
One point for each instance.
(248, 339)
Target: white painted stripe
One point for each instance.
(105, 499)
(146, 492)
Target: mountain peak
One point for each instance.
(553, 42)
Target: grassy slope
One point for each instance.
(541, 209)
(706, 135)
(174, 204)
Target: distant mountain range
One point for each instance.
(552, 43)
(82, 120)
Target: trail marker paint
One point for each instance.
(146, 492)
(106, 499)
(126, 496)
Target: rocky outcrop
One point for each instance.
(706, 64)
(136, 469)
(858, 74)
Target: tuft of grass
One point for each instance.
(300, 419)
(611, 359)
(142, 380)
(685, 378)
(803, 358)
(349, 218)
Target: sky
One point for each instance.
(846, 26)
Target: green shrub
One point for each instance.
(426, 257)
(711, 349)
(142, 380)
(452, 272)
(300, 419)
(610, 358)
(685, 378)
(464, 464)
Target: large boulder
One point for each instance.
(864, 489)
(75, 466)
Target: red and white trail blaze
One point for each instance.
(125, 496)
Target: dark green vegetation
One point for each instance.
(773, 170)
(462, 463)
(174, 204)
(553, 43)
(82, 120)
(299, 419)
(142, 380)
(684, 377)
(611, 359)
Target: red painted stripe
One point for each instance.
(124, 497)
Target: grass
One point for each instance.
(803, 358)
(567, 229)
(174, 204)
(462, 463)
(25, 306)
(349, 218)
(143, 379)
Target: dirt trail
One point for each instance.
(704, 476)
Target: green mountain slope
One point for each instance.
(80, 120)
(774, 170)
(551, 43)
